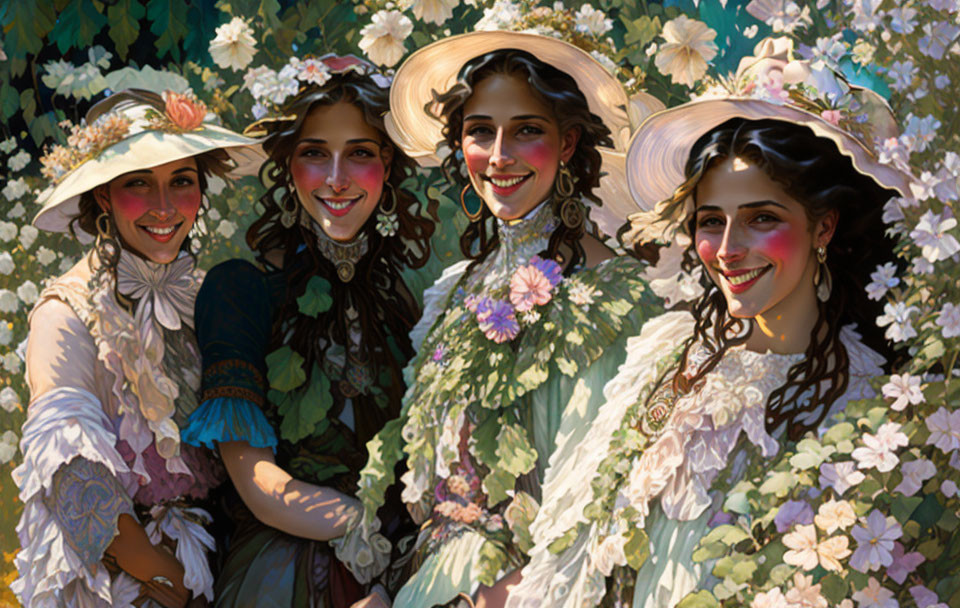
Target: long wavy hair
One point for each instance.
(555, 89)
(814, 172)
(385, 308)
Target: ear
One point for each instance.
(568, 143)
(825, 227)
(386, 156)
(102, 195)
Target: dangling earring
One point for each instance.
(106, 246)
(571, 213)
(387, 222)
(821, 278)
(473, 217)
(288, 213)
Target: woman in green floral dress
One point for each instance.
(302, 357)
(517, 340)
(779, 202)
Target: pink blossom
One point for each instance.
(944, 429)
(903, 389)
(915, 473)
(903, 564)
(770, 599)
(529, 287)
(832, 116)
(875, 595)
(840, 476)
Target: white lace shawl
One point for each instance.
(678, 469)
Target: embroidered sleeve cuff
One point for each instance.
(229, 419)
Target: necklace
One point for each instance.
(344, 256)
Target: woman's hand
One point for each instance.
(158, 570)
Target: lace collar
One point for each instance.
(165, 292)
(520, 240)
(344, 256)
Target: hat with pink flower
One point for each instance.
(772, 84)
(133, 130)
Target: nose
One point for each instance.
(337, 179)
(732, 247)
(164, 208)
(500, 156)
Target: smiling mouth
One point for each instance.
(506, 184)
(742, 280)
(161, 233)
(339, 206)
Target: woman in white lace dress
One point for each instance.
(780, 209)
(109, 491)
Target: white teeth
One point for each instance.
(506, 183)
(743, 278)
(159, 230)
(338, 206)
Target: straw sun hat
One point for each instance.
(436, 67)
(133, 130)
(770, 85)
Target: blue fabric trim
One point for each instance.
(228, 419)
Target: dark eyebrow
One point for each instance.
(364, 139)
(744, 206)
(518, 117)
(314, 140)
(476, 117)
(183, 169)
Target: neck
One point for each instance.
(786, 328)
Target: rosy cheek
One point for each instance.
(707, 249)
(779, 244)
(128, 205)
(308, 176)
(476, 157)
(538, 154)
(367, 176)
(188, 201)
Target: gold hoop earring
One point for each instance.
(821, 278)
(387, 222)
(288, 214)
(570, 210)
(106, 246)
(565, 182)
(473, 217)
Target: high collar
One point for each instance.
(343, 255)
(520, 240)
(164, 291)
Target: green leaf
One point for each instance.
(637, 547)
(285, 369)
(834, 588)
(778, 483)
(515, 454)
(810, 454)
(168, 22)
(77, 25)
(904, 506)
(301, 413)
(641, 31)
(316, 297)
(930, 549)
(26, 26)
(562, 543)
(28, 104)
(125, 18)
(204, 19)
(44, 128)
(9, 101)
(700, 599)
(492, 560)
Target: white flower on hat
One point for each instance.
(234, 46)
(383, 38)
(591, 21)
(688, 48)
(433, 11)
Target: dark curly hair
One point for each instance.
(558, 91)
(385, 306)
(813, 171)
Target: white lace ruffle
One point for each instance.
(62, 424)
(185, 526)
(678, 468)
(435, 300)
(363, 550)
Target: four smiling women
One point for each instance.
(464, 479)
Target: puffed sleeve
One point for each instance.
(70, 481)
(233, 320)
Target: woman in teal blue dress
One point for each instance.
(302, 356)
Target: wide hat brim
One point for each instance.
(436, 66)
(149, 148)
(661, 146)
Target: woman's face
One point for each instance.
(512, 145)
(756, 242)
(339, 166)
(154, 209)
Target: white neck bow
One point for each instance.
(164, 291)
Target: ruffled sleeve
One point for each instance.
(435, 300)
(233, 319)
(568, 579)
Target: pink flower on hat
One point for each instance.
(185, 112)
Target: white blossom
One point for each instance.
(15, 189)
(949, 320)
(19, 160)
(6, 263)
(11, 362)
(878, 450)
(903, 389)
(8, 145)
(226, 228)
(931, 235)
(234, 46)
(881, 280)
(592, 21)
(8, 301)
(8, 446)
(45, 256)
(28, 234)
(433, 11)
(781, 15)
(501, 16)
(915, 473)
(689, 46)
(897, 316)
(921, 266)
(383, 38)
(28, 292)
(944, 428)
(6, 333)
(9, 399)
(8, 231)
(18, 211)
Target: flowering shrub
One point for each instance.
(57, 58)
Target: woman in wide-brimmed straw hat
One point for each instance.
(110, 494)
(517, 340)
(774, 183)
(292, 398)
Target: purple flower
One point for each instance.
(875, 543)
(439, 353)
(473, 302)
(840, 476)
(549, 268)
(498, 320)
(793, 512)
(924, 597)
(903, 564)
